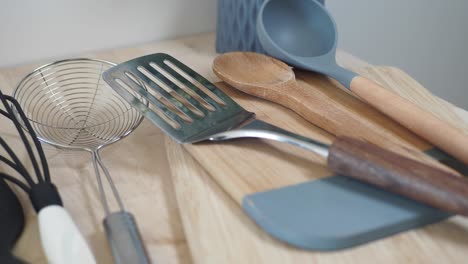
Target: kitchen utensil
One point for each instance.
(190, 109)
(297, 201)
(11, 222)
(273, 80)
(303, 33)
(61, 239)
(71, 107)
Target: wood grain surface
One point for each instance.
(248, 166)
(435, 130)
(440, 243)
(318, 101)
(218, 231)
(201, 223)
(137, 163)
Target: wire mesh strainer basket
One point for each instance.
(70, 106)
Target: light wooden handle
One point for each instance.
(390, 171)
(441, 134)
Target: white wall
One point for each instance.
(32, 30)
(426, 38)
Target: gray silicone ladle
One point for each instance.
(303, 34)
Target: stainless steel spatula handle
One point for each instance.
(162, 76)
(372, 164)
(260, 129)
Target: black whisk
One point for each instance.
(61, 239)
(43, 192)
(11, 223)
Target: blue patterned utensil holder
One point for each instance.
(236, 26)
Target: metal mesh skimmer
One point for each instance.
(70, 106)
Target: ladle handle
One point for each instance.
(369, 163)
(441, 134)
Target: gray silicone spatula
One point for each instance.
(303, 33)
(190, 109)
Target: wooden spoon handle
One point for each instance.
(390, 171)
(422, 123)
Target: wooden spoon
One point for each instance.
(334, 110)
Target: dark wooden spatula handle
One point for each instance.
(374, 165)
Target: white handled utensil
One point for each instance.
(72, 108)
(61, 238)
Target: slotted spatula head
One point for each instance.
(175, 98)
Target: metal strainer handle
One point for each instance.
(121, 229)
(125, 239)
(97, 163)
(69, 106)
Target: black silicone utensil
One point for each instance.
(61, 239)
(11, 223)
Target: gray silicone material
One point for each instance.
(303, 34)
(124, 239)
(236, 26)
(337, 212)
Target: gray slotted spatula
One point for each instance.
(191, 109)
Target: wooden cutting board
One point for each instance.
(266, 164)
(250, 166)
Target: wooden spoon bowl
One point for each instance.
(321, 103)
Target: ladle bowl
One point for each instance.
(303, 34)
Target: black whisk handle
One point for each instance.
(8, 258)
(44, 194)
